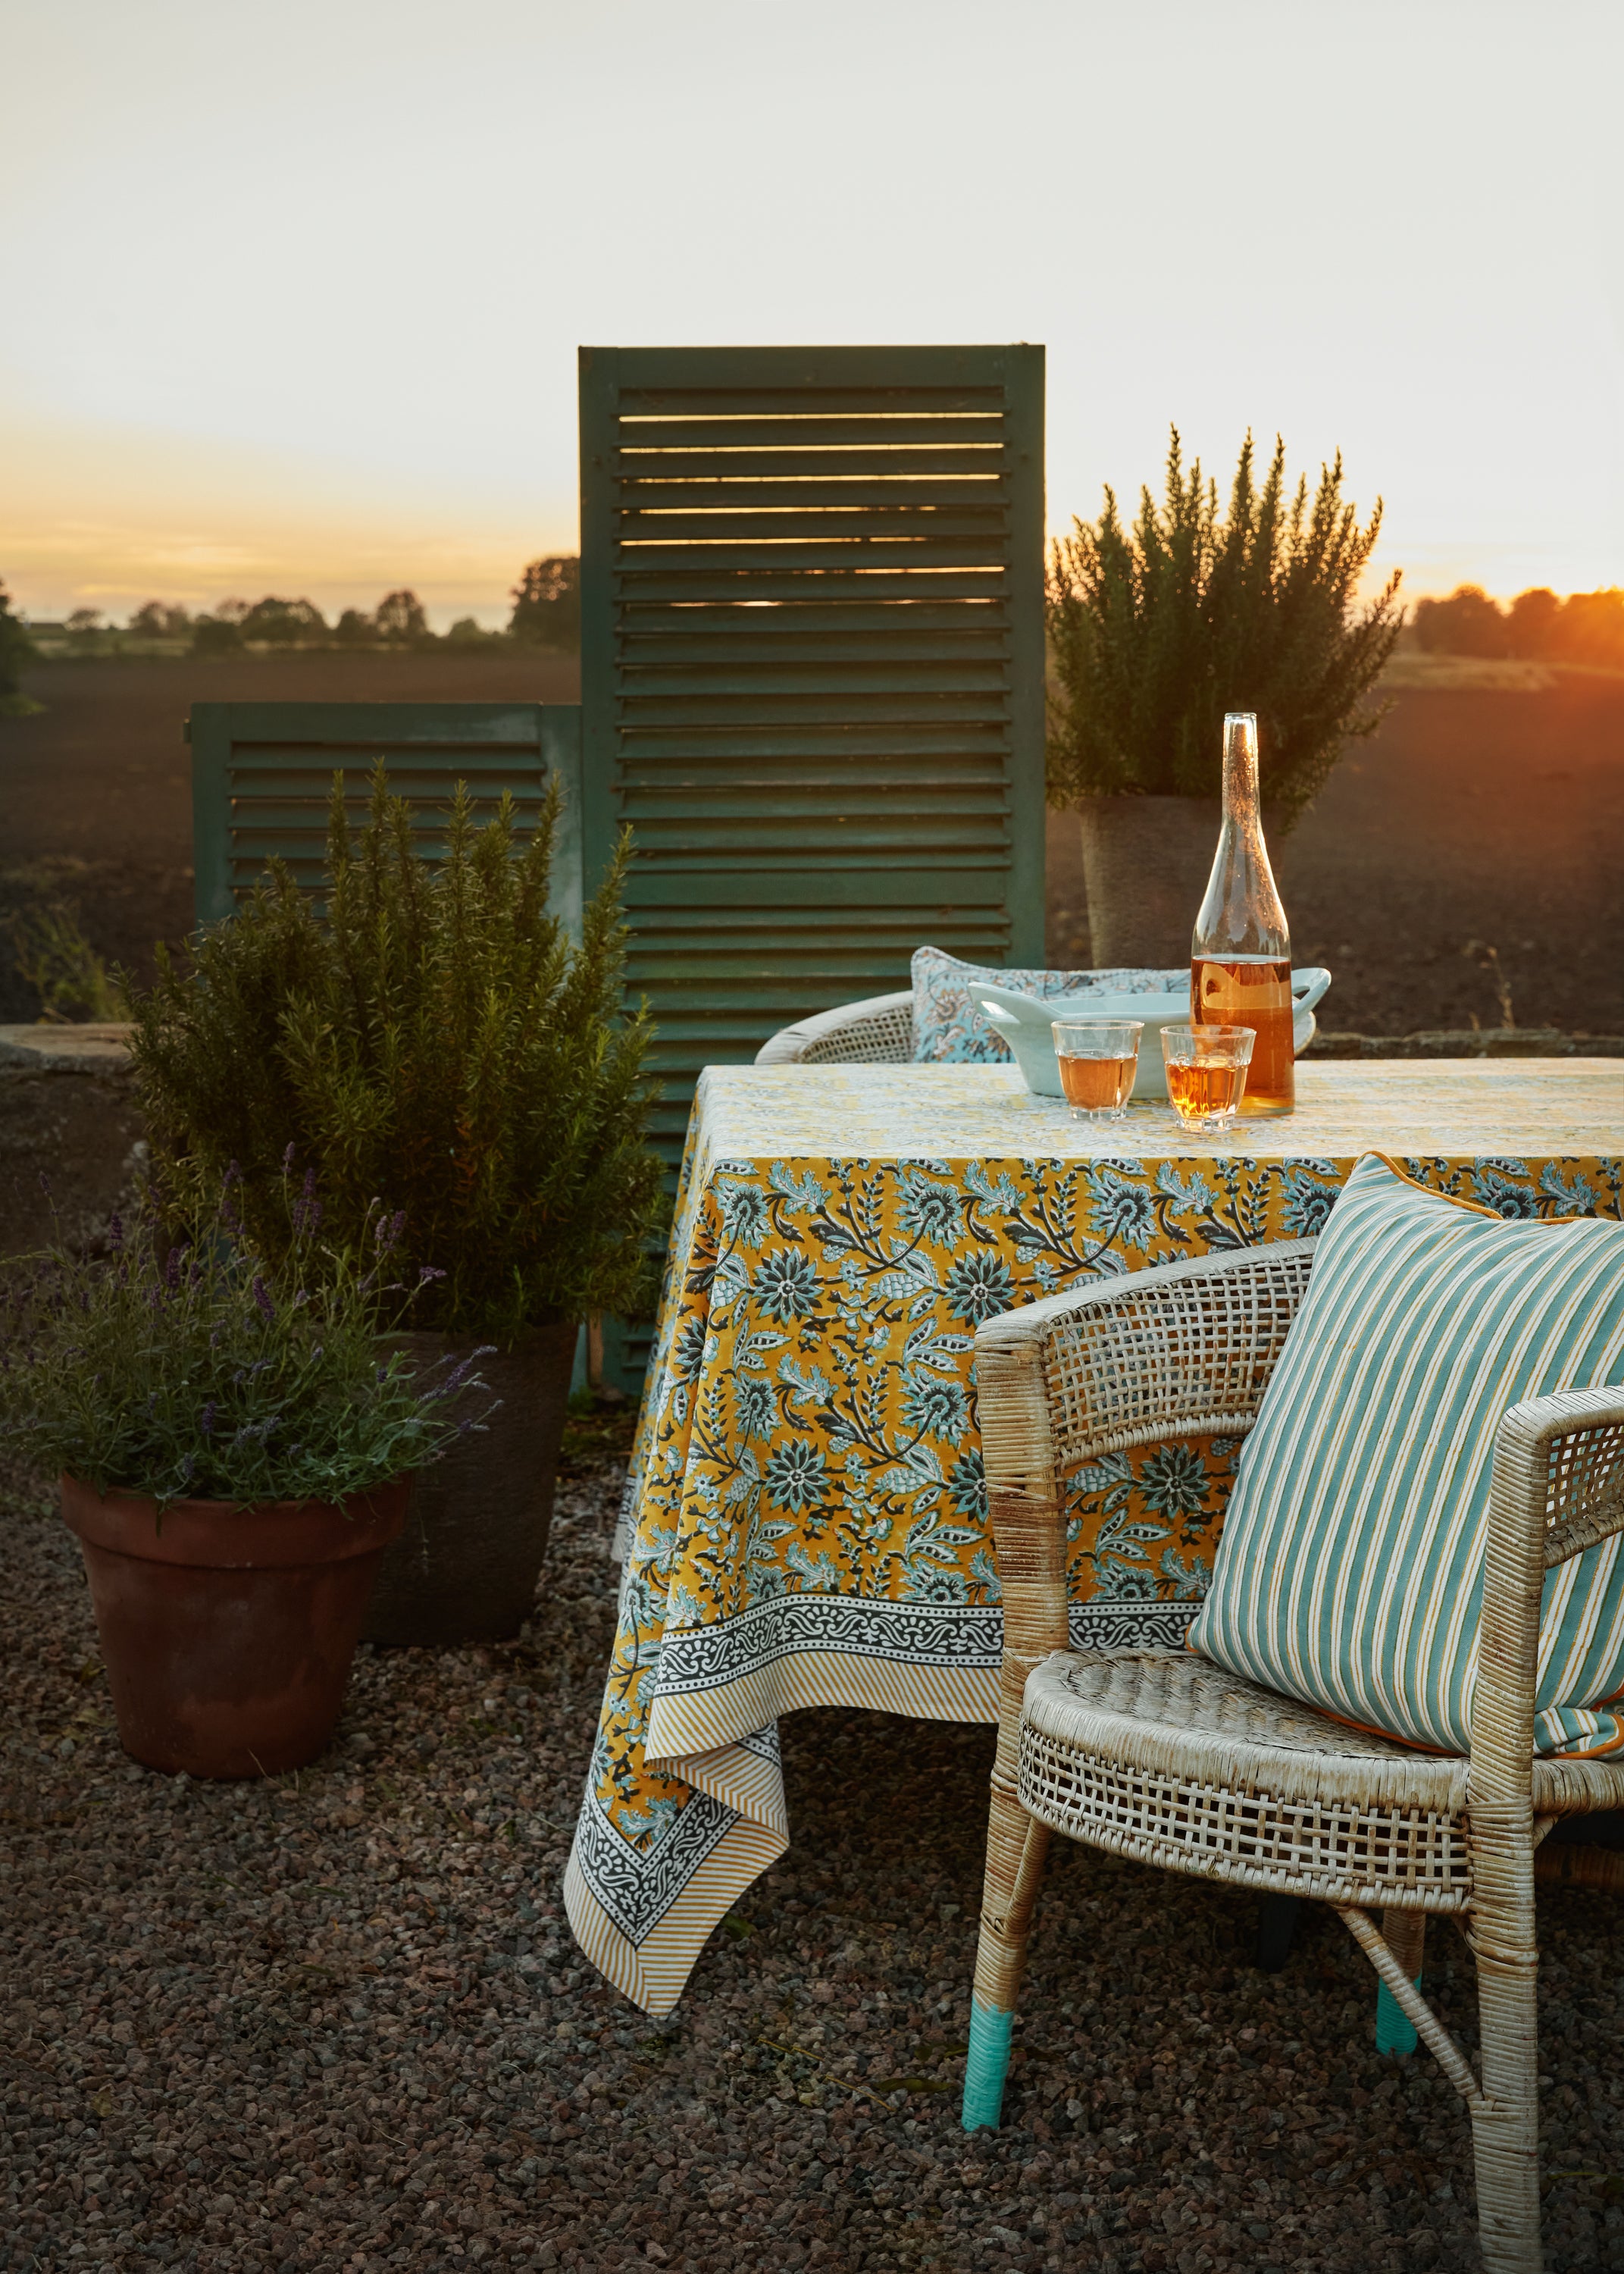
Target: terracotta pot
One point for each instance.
(465, 1568)
(227, 1632)
(1146, 863)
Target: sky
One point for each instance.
(289, 298)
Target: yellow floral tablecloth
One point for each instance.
(806, 1514)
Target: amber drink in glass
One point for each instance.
(1208, 1072)
(1098, 1059)
(1240, 957)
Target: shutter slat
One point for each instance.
(812, 628)
(902, 495)
(848, 708)
(885, 463)
(650, 403)
(871, 590)
(836, 549)
(826, 677)
(892, 431)
(837, 883)
(828, 654)
(811, 742)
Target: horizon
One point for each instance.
(334, 351)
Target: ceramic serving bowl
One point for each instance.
(1027, 1024)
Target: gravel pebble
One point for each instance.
(337, 2021)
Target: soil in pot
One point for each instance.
(227, 1632)
(465, 1567)
(1146, 863)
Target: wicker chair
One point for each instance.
(877, 1031)
(1166, 1759)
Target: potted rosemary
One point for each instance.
(430, 1039)
(1155, 632)
(235, 1458)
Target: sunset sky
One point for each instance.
(289, 298)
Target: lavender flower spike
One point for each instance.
(262, 1298)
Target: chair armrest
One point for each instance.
(1583, 1435)
(1558, 1488)
(1183, 1347)
(877, 1031)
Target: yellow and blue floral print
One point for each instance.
(807, 1517)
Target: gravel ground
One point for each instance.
(337, 2021)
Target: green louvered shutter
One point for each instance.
(812, 672)
(262, 775)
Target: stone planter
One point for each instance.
(1146, 863)
(465, 1567)
(227, 1632)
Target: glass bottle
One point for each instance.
(1240, 953)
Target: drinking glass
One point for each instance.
(1206, 1073)
(1098, 1059)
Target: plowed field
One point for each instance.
(1475, 819)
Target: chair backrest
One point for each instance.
(878, 1031)
(262, 777)
(812, 672)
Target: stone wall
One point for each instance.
(70, 1141)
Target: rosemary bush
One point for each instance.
(434, 1042)
(1156, 631)
(194, 1371)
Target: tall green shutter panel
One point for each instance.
(262, 776)
(812, 672)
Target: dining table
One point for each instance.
(805, 1521)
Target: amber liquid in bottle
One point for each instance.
(1240, 951)
(1255, 992)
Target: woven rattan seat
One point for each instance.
(1166, 1759)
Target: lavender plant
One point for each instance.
(190, 1368)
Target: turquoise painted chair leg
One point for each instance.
(1404, 1934)
(1393, 2032)
(987, 2065)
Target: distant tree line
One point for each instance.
(16, 649)
(546, 612)
(1587, 628)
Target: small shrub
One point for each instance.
(53, 955)
(191, 1368)
(433, 1040)
(1157, 631)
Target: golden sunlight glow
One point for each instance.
(300, 314)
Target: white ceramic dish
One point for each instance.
(1026, 1022)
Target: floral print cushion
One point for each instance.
(949, 1028)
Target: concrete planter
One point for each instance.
(464, 1568)
(227, 1632)
(1146, 863)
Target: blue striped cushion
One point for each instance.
(1350, 1574)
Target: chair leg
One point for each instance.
(1015, 1846)
(1506, 2127)
(1404, 1933)
(1277, 1918)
